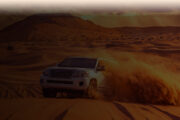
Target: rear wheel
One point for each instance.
(49, 92)
(92, 89)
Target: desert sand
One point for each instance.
(142, 69)
(83, 109)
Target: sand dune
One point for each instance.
(142, 69)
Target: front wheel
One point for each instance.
(49, 92)
(92, 89)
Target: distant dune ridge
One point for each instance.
(44, 23)
(145, 60)
(56, 22)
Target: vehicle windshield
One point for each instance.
(78, 62)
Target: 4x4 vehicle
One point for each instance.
(73, 73)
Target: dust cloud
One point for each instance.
(143, 78)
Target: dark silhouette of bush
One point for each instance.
(110, 45)
(10, 48)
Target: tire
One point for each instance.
(92, 89)
(49, 92)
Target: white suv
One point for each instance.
(74, 73)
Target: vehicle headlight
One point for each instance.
(80, 74)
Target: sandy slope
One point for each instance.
(83, 109)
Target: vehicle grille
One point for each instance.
(60, 82)
(61, 73)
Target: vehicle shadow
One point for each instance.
(71, 95)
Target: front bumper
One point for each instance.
(65, 84)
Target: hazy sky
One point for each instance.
(54, 5)
(134, 19)
(108, 13)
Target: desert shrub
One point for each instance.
(10, 48)
(161, 37)
(150, 38)
(109, 45)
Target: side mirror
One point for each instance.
(100, 68)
